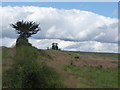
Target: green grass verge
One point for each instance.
(103, 78)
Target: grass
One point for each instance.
(5, 53)
(114, 62)
(93, 55)
(106, 78)
(29, 70)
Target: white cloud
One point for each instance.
(72, 29)
(63, 24)
(8, 42)
(88, 46)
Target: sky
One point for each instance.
(108, 9)
(83, 26)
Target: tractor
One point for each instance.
(55, 46)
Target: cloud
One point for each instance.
(88, 46)
(8, 42)
(73, 30)
(70, 25)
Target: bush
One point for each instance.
(71, 63)
(76, 57)
(100, 67)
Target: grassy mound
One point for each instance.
(21, 41)
(29, 70)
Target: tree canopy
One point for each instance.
(26, 28)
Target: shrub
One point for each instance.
(100, 66)
(21, 41)
(76, 57)
(71, 63)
